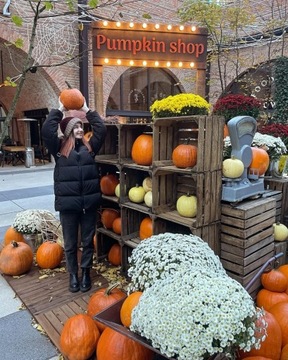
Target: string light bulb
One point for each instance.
(105, 23)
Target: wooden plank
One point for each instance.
(246, 243)
(244, 252)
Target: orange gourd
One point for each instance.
(127, 307)
(284, 353)
(108, 184)
(284, 270)
(280, 312)
(146, 228)
(225, 131)
(142, 150)
(88, 135)
(184, 155)
(257, 358)
(102, 299)
(49, 255)
(11, 234)
(79, 337)
(266, 298)
(108, 216)
(260, 160)
(114, 255)
(271, 346)
(112, 345)
(274, 280)
(16, 258)
(72, 99)
(116, 226)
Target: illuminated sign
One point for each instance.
(151, 45)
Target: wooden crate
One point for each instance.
(104, 240)
(280, 185)
(171, 185)
(205, 132)
(281, 247)
(247, 240)
(209, 233)
(109, 151)
(277, 195)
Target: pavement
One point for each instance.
(22, 188)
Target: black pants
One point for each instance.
(70, 224)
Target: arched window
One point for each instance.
(137, 89)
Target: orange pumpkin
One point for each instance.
(284, 270)
(108, 184)
(102, 299)
(280, 312)
(142, 150)
(112, 345)
(274, 280)
(11, 234)
(116, 226)
(260, 160)
(146, 228)
(257, 358)
(88, 135)
(16, 258)
(184, 155)
(271, 346)
(284, 353)
(108, 216)
(79, 337)
(72, 99)
(266, 298)
(127, 307)
(225, 131)
(49, 255)
(114, 255)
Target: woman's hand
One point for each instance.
(85, 108)
(61, 106)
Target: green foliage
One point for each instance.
(48, 5)
(281, 90)
(93, 3)
(17, 20)
(19, 43)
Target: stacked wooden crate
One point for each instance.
(247, 240)
(204, 180)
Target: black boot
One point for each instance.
(74, 283)
(86, 280)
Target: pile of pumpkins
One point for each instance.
(16, 257)
(82, 335)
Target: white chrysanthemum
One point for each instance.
(189, 315)
(161, 255)
(31, 221)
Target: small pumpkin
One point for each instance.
(142, 150)
(136, 194)
(117, 190)
(186, 205)
(280, 312)
(184, 155)
(117, 226)
(49, 255)
(112, 345)
(114, 255)
(16, 258)
(102, 299)
(266, 298)
(232, 168)
(146, 228)
(274, 280)
(72, 99)
(11, 234)
(280, 232)
(271, 346)
(147, 184)
(88, 135)
(284, 353)
(108, 184)
(79, 337)
(260, 160)
(108, 216)
(284, 270)
(148, 198)
(225, 131)
(127, 307)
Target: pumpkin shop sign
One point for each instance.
(151, 45)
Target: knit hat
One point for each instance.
(67, 124)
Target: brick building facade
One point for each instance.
(58, 38)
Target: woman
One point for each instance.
(76, 186)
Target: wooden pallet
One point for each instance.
(49, 301)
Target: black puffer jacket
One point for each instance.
(76, 178)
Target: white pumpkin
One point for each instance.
(117, 190)
(147, 184)
(136, 194)
(280, 232)
(186, 205)
(232, 168)
(148, 198)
